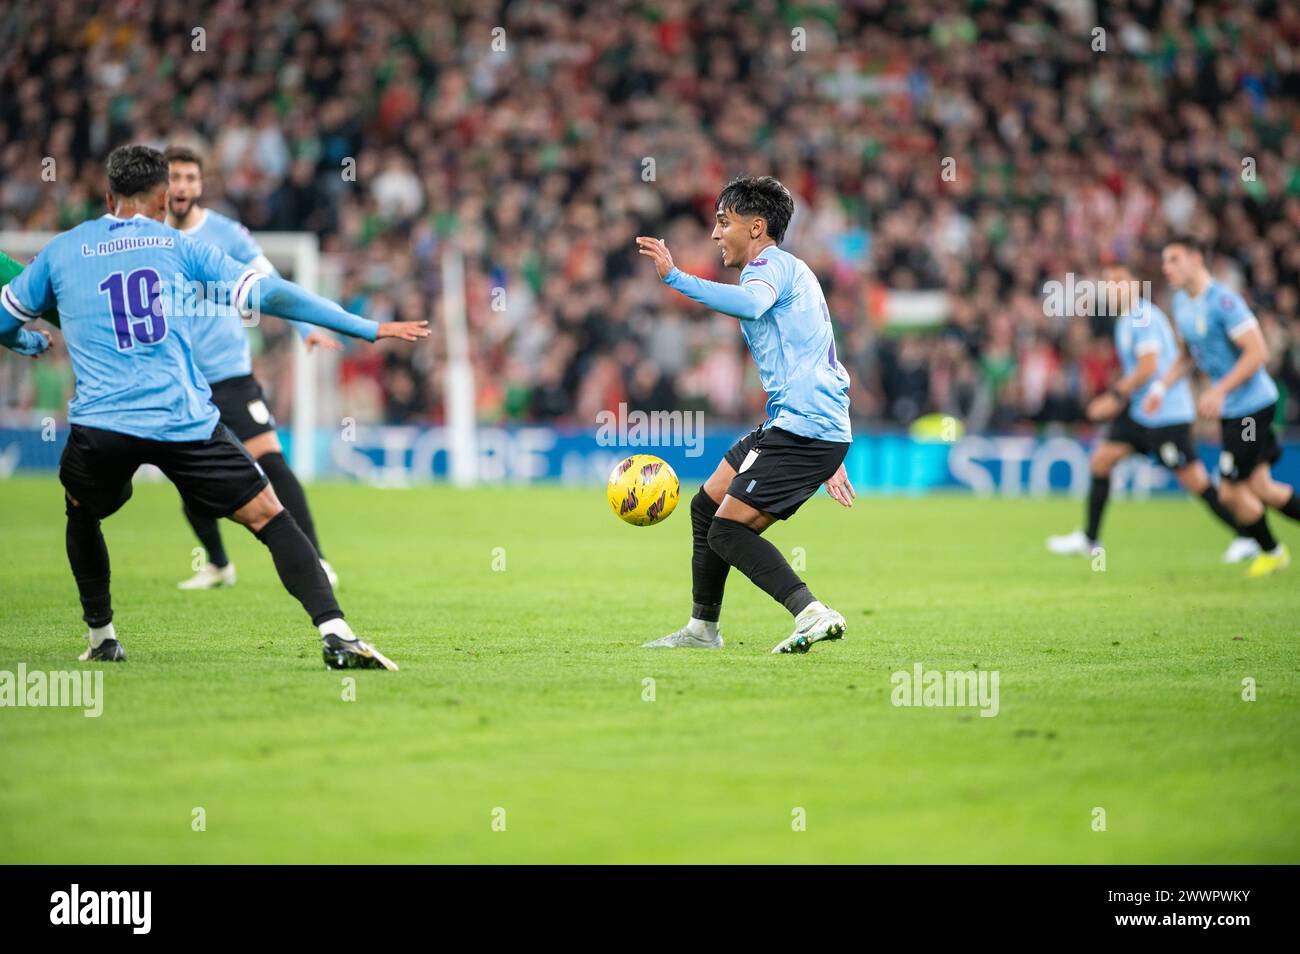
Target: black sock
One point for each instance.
(88, 557)
(209, 534)
(1211, 497)
(1259, 532)
(1097, 496)
(708, 570)
(759, 560)
(289, 490)
(299, 567)
(1292, 507)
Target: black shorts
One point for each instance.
(215, 477)
(1248, 442)
(776, 471)
(1170, 445)
(243, 406)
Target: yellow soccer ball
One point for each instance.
(642, 490)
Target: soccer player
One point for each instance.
(1224, 340)
(222, 355)
(1147, 349)
(121, 284)
(770, 472)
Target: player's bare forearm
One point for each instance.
(1181, 365)
(1146, 369)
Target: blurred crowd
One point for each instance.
(975, 149)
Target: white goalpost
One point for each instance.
(297, 256)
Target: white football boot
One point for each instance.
(696, 634)
(330, 574)
(814, 624)
(210, 578)
(1240, 550)
(1072, 544)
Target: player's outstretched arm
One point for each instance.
(284, 299)
(746, 301)
(310, 336)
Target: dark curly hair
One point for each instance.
(762, 196)
(134, 170)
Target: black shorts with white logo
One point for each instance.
(1170, 445)
(215, 477)
(777, 471)
(243, 406)
(1248, 442)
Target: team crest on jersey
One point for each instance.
(758, 261)
(259, 412)
(1226, 303)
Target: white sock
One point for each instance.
(702, 627)
(814, 607)
(100, 633)
(337, 627)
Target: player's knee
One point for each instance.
(77, 513)
(259, 511)
(94, 512)
(722, 536)
(1262, 486)
(1193, 479)
(263, 444)
(1101, 465)
(703, 507)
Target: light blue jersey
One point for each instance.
(1208, 323)
(121, 287)
(221, 346)
(1143, 331)
(787, 326)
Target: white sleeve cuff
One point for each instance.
(1243, 326)
(754, 280)
(12, 305)
(244, 288)
(1147, 347)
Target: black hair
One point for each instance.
(762, 196)
(134, 170)
(1189, 243)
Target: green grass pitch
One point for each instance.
(521, 695)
